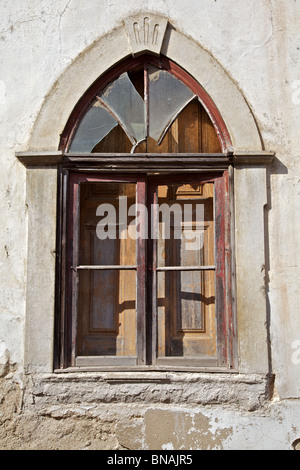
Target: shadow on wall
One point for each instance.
(296, 444)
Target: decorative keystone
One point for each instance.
(146, 33)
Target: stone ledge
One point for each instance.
(248, 392)
(39, 158)
(248, 158)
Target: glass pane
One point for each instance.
(107, 218)
(127, 105)
(186, 225)
(167, 96)
(186, 314)
(95, 125)
(107, 313)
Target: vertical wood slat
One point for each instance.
(60, 296)
(60, 286)
(151, 346)
(154, 278)
(220, 274)
(224, 272)
(146, 99)
(209, 138)
(189, 128)
(230, 268)
(141, 281)
(64, 264)
(73, 261)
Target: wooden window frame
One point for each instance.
(77, 169)
(72, 266)
(138, 165)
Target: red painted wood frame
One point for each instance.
(131, 64)
(146, 265)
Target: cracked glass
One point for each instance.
(126, 104)
(94, 126)
(167, 97)
(120, 103)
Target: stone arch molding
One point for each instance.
(138, 34)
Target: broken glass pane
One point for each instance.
(94, 126)
(167, 97)
(127, 105)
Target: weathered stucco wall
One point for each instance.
(39, 41)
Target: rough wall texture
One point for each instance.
(57, 413)
(38, 40)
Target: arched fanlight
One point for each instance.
(119, 102)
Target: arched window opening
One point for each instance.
(147, 109)
(144, 237)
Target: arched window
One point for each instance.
(145, 232)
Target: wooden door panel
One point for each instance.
(188, 306)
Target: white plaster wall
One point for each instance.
(257, 43)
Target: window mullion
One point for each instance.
(152, 264)
(146, 99)
(75, 200)
(151, 274)
(141, 277)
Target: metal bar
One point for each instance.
(108, 267)
(185, 268)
